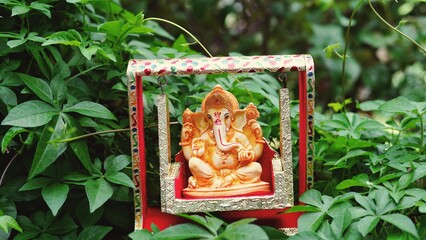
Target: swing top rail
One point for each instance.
(216, 65)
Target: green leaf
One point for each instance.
(367, 224)
(16, 43)
(302, 208)
(402, 222)
(7, 96)
(33, 36)
(106, 51)
(9, 135)
(42, 7)
(89, 51)
(154, 228)
(33, 113)
(366, 202)
(158, 30)
(7, 221)
(422, 207)
(369, 124)
(405, 180)
(310, 221)
(330, 49)
(274, 233)
(31, 229)
(398, 105)
(76, 177)
(46, 152)
(306, 235)
(184, 231)
(202, 221)
(141, 234)
(213, 224)
(63, 226)
(181, 44)
(240, 222)
(94, 233)
(112, 27)
(245, 231)
(70, 37)
(7, 207)
(352, 154)
(341, 222)
(352, 232)
(39, 87)
(351, 183)
(20, 9)
(384, 204)
(98, 192)
(97, 166)
(59, 89)
(420, 172)
(312, 197)
(39, 54)
(36, 183)
(120, 178)
(337, 209)
(325, 231)
(26, 235)
(78, 1)
(79, 147)
(91, 109)
(116, 163)
(420, 106)
(371, 105)
(55, 195)
(86, 218)
(387, 177)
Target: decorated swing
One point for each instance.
(225, 164)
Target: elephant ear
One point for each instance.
(240, 119)
(200, 121)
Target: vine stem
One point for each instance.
(181, 28)
(198, 42)
(6, 168)
(395, 29)
(345, 50)
(84, 72)
(90, 134)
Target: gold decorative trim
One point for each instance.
(282, 196)
(289, 231)
(164, 144)
(285, 143)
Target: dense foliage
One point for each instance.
(65, 165)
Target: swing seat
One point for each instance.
(269, 193)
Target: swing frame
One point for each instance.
(303, 64)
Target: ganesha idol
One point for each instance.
(222, 144)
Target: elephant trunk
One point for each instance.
(220, 134)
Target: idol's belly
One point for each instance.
(224, 160)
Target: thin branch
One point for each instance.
(345, 50)
(84, 72)
(181, 28)
(90, 134)
(6, 168)
(197, 41)
(395, 29)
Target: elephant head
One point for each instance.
(221, 109)
(220, 113)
